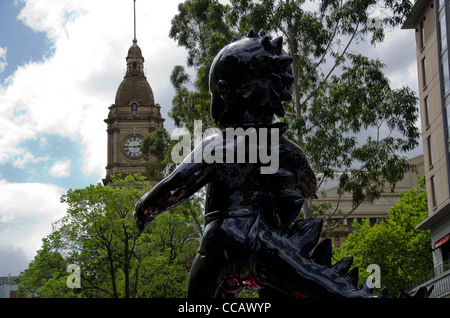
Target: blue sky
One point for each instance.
(55, 159)
(47, 157)
(61, 63)
(23, 43)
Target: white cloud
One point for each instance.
(3, 61)
(50, 16)
(398, 53)
(69, 93)
(27, 157)
(60, 169)
(27, 211)
(13, 260)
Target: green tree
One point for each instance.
(351, 123)
(167, 251)
(98, 234)
(187, 104)
(156, 149)
(44, 273)
(401, 251)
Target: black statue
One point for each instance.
(251, 239)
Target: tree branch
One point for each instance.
(333, 108)
(337, 62)
(196, 221)
(357, 173)
(324, 54)
(343, 218)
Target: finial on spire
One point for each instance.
(134, 39)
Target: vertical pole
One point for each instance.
(134, 40)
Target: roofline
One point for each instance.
(435, 217)
(417, 160)
(415, 14)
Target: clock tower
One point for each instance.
(133, 115)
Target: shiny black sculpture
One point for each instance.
(251, 239)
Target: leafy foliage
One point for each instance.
(98, 233)
(156, 149)
(352, 125)
(44, 275)
(401, 251)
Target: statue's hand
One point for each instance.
(143, 216)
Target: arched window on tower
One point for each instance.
(134, 109)
(134, 66)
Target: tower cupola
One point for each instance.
(135, 61)
(132, 117)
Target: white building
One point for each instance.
(8, 287)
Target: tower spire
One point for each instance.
(134, 39)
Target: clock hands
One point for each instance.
(132, 146)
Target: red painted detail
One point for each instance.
(298, 295)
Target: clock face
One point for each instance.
(132, 146)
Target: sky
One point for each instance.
(61, 63)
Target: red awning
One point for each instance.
(443, 240)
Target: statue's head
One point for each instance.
(248, 80)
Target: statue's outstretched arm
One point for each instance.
(184, 181)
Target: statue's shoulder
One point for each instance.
(291, 149)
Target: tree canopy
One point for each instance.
(99, 235)
(401, 251)
(351, 123)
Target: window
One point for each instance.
(134, 109)
(424, 72)
(374, 221)
(433, 192)
(443, 29)
(422, 34)
(337, 241)
(426, 110)
(447, 110)
(430, 151)
(445, 74)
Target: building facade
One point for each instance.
(133, 116)
(431, 21)
(375, 211)
(8, 287)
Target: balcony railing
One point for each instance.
(339, 228)
(439, 277)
